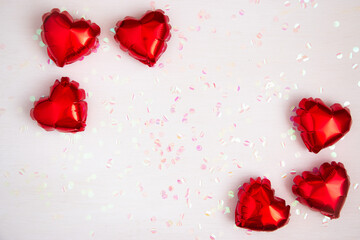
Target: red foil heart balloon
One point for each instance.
(144, 39)
(258, 209)
(64, 109)
(324, 190)
(321, 126)
(68, 40)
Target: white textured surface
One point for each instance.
(235, 80)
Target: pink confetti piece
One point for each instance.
(181, 181)
(181, 46)
(163, 194)
(109, 163)
(167, 7)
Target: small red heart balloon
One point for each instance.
(144, 39)
(64, 109)
(258, 209)
(321, 126)
(68, 40)
(324, 189)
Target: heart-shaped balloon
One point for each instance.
(68, 40)
(321, 126)
(325, 189)
(64, 109)
(144, 39)
(258, 209)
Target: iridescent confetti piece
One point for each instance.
(285, 26)
(296, 27)
(294, 203)
(231, 194)
(167, 7)
(325, 221)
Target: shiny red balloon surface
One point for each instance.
(144, 39)
(321, 126)
(68, 40)
(64, 109)
(258, 209)
(325, 189)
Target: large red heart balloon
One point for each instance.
(321, 126)
(324, 189)
(64, 109)
(68, 40)
(258, 209)
(144, 39)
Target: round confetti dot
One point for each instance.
(336, 24)
(358, 83)
(355, 49)
(333, 154)
(32, 99)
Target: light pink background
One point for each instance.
(165, 146)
